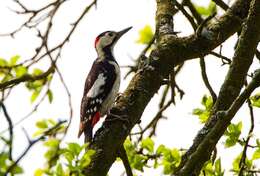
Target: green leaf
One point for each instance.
(37, 71)
(148, 144)
(74, 148)
(161, 149)
(42, 124)
(53, 143)
(51, 122)
(206, 11)
(138, 162)
(257, 142)
(17, 170)
(59, 170)
(34, 95)
(233, 132)
(3, 62)
(20, 71)
(128, 145)
(167, 168)
(50, 95)
(68, 156)
(85, 160)
(204, 113)
(256, 154)
(207, 102)
(145, 35)
(208, 168)
(236, 162)
(176, 155)
(255, 100)
(218, 165)
(3, 159)
(38, 172)
(14, 60)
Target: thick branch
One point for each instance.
(170, 51)
(204, 143)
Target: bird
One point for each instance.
(102, 83)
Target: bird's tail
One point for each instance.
(87, 129)
(88, 133)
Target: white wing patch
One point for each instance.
(96, 88)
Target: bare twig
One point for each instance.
(69, 99)
(34, 109)
(10, 127)
(141, 60)
(122, 154)
(221, 4)
(193, 11)
(224, 59)
(206, 80)
(242, 161)
(30, 145)
(26, 78)
(186, 14)
(154, 121)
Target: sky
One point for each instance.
(77, 57)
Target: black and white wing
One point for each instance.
(99, 83)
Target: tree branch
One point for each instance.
(27, 78)
(221, 4)
(30, 145)
(170, 51)
(242, 163)
(122, 154)
(10, 127)
(204, 143)
(206, 80)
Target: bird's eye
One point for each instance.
(110, 34)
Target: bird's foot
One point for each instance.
(117, 117)
(119, 95)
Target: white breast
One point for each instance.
(111, 97)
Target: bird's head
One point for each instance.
(108, 39)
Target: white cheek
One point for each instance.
(106, 41)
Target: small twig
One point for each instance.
(69, 98)
(154, 121)
(10, 127)
(204, 23)
(224, 59)
(34, 109)
(221, 4)
(164, 95)
(186, 14)
(206, 80)
(141, 60)
(26, 78)
(31, 143)
(193, 11)
(122, 154)
(242, 161)
(174, 86)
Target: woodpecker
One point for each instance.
(102, 83)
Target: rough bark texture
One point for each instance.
(208, 137)
(170, 51)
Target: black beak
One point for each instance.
(121, 33)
